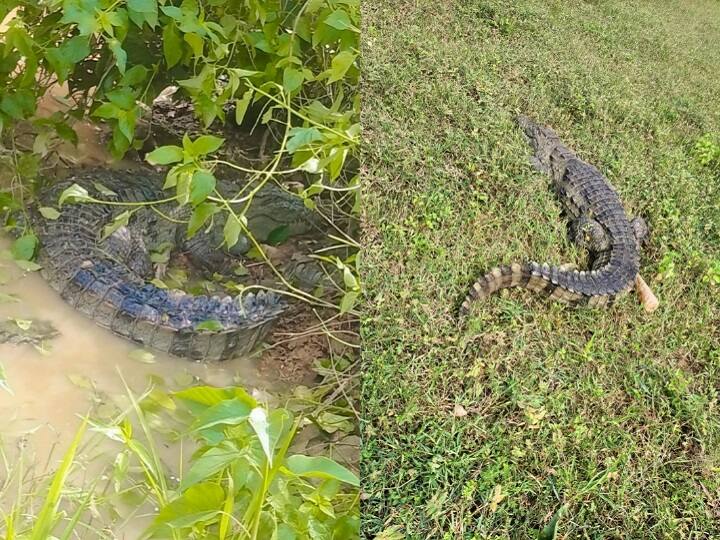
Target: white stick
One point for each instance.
(647, 297)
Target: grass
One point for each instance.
(610, 414)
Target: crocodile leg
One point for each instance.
(640, 230)
(587, 233)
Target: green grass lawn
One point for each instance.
(612, 414)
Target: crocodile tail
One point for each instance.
(555, 282)
(500, 277)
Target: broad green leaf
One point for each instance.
(278, 235)
(23, 249)
(74, 194)
(241, 106)
(172, 45)
(165, 155)
(232, 230)
(119, 54)
(340, 64)
(210, 325)
(107, 110)
(141, 11)
(82, 14)
(227, 412)
(126, 123)
(200, 215)
(135, 75)
(292, 79)
(244, 72)
(348, 301)
(202, 184)
(340, 20)
(121, 220)
(259, 421)
(211, 395)
(63, 58)
(49, 213)
(196, 42)
(301, 137)
(209, 464)
(199, 503)
(122, 97)
(29, 266)
(104, 190)
(349, 279)
(320, 467)
(206, 144)
(18, 104)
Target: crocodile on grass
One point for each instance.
(107, 280)
(598, 224)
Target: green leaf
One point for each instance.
(232, 230)
(340, 20)
(121, 220)
(23, 249)
(202, 185)
(47, 515)
(227, 412)
(348, 301)
(119, 54)
(259, 422)
(28, 265)
(209, 464)
(49, 213)
(141, 11)
(107, 110)
(122, 97)
(241, 106)
(292, 79)
(62, 59)
(278, 235)
(320, 467)
(340, 64)
(199, 216)
(349, 279)
(210, 325)
(135, 75)
(165, 155)
(126, 123)
(211, 395)
(104, 190)
(172, 45)
(199, 503)
(301, 137)
(74, 194)
(206, 144)
(19, 104)
(81, 13)
(196, 42)
(549, 532)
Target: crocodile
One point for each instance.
(598, 224)
(107, 279)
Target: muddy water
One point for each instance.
(51, 388)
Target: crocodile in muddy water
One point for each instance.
(108, 279)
